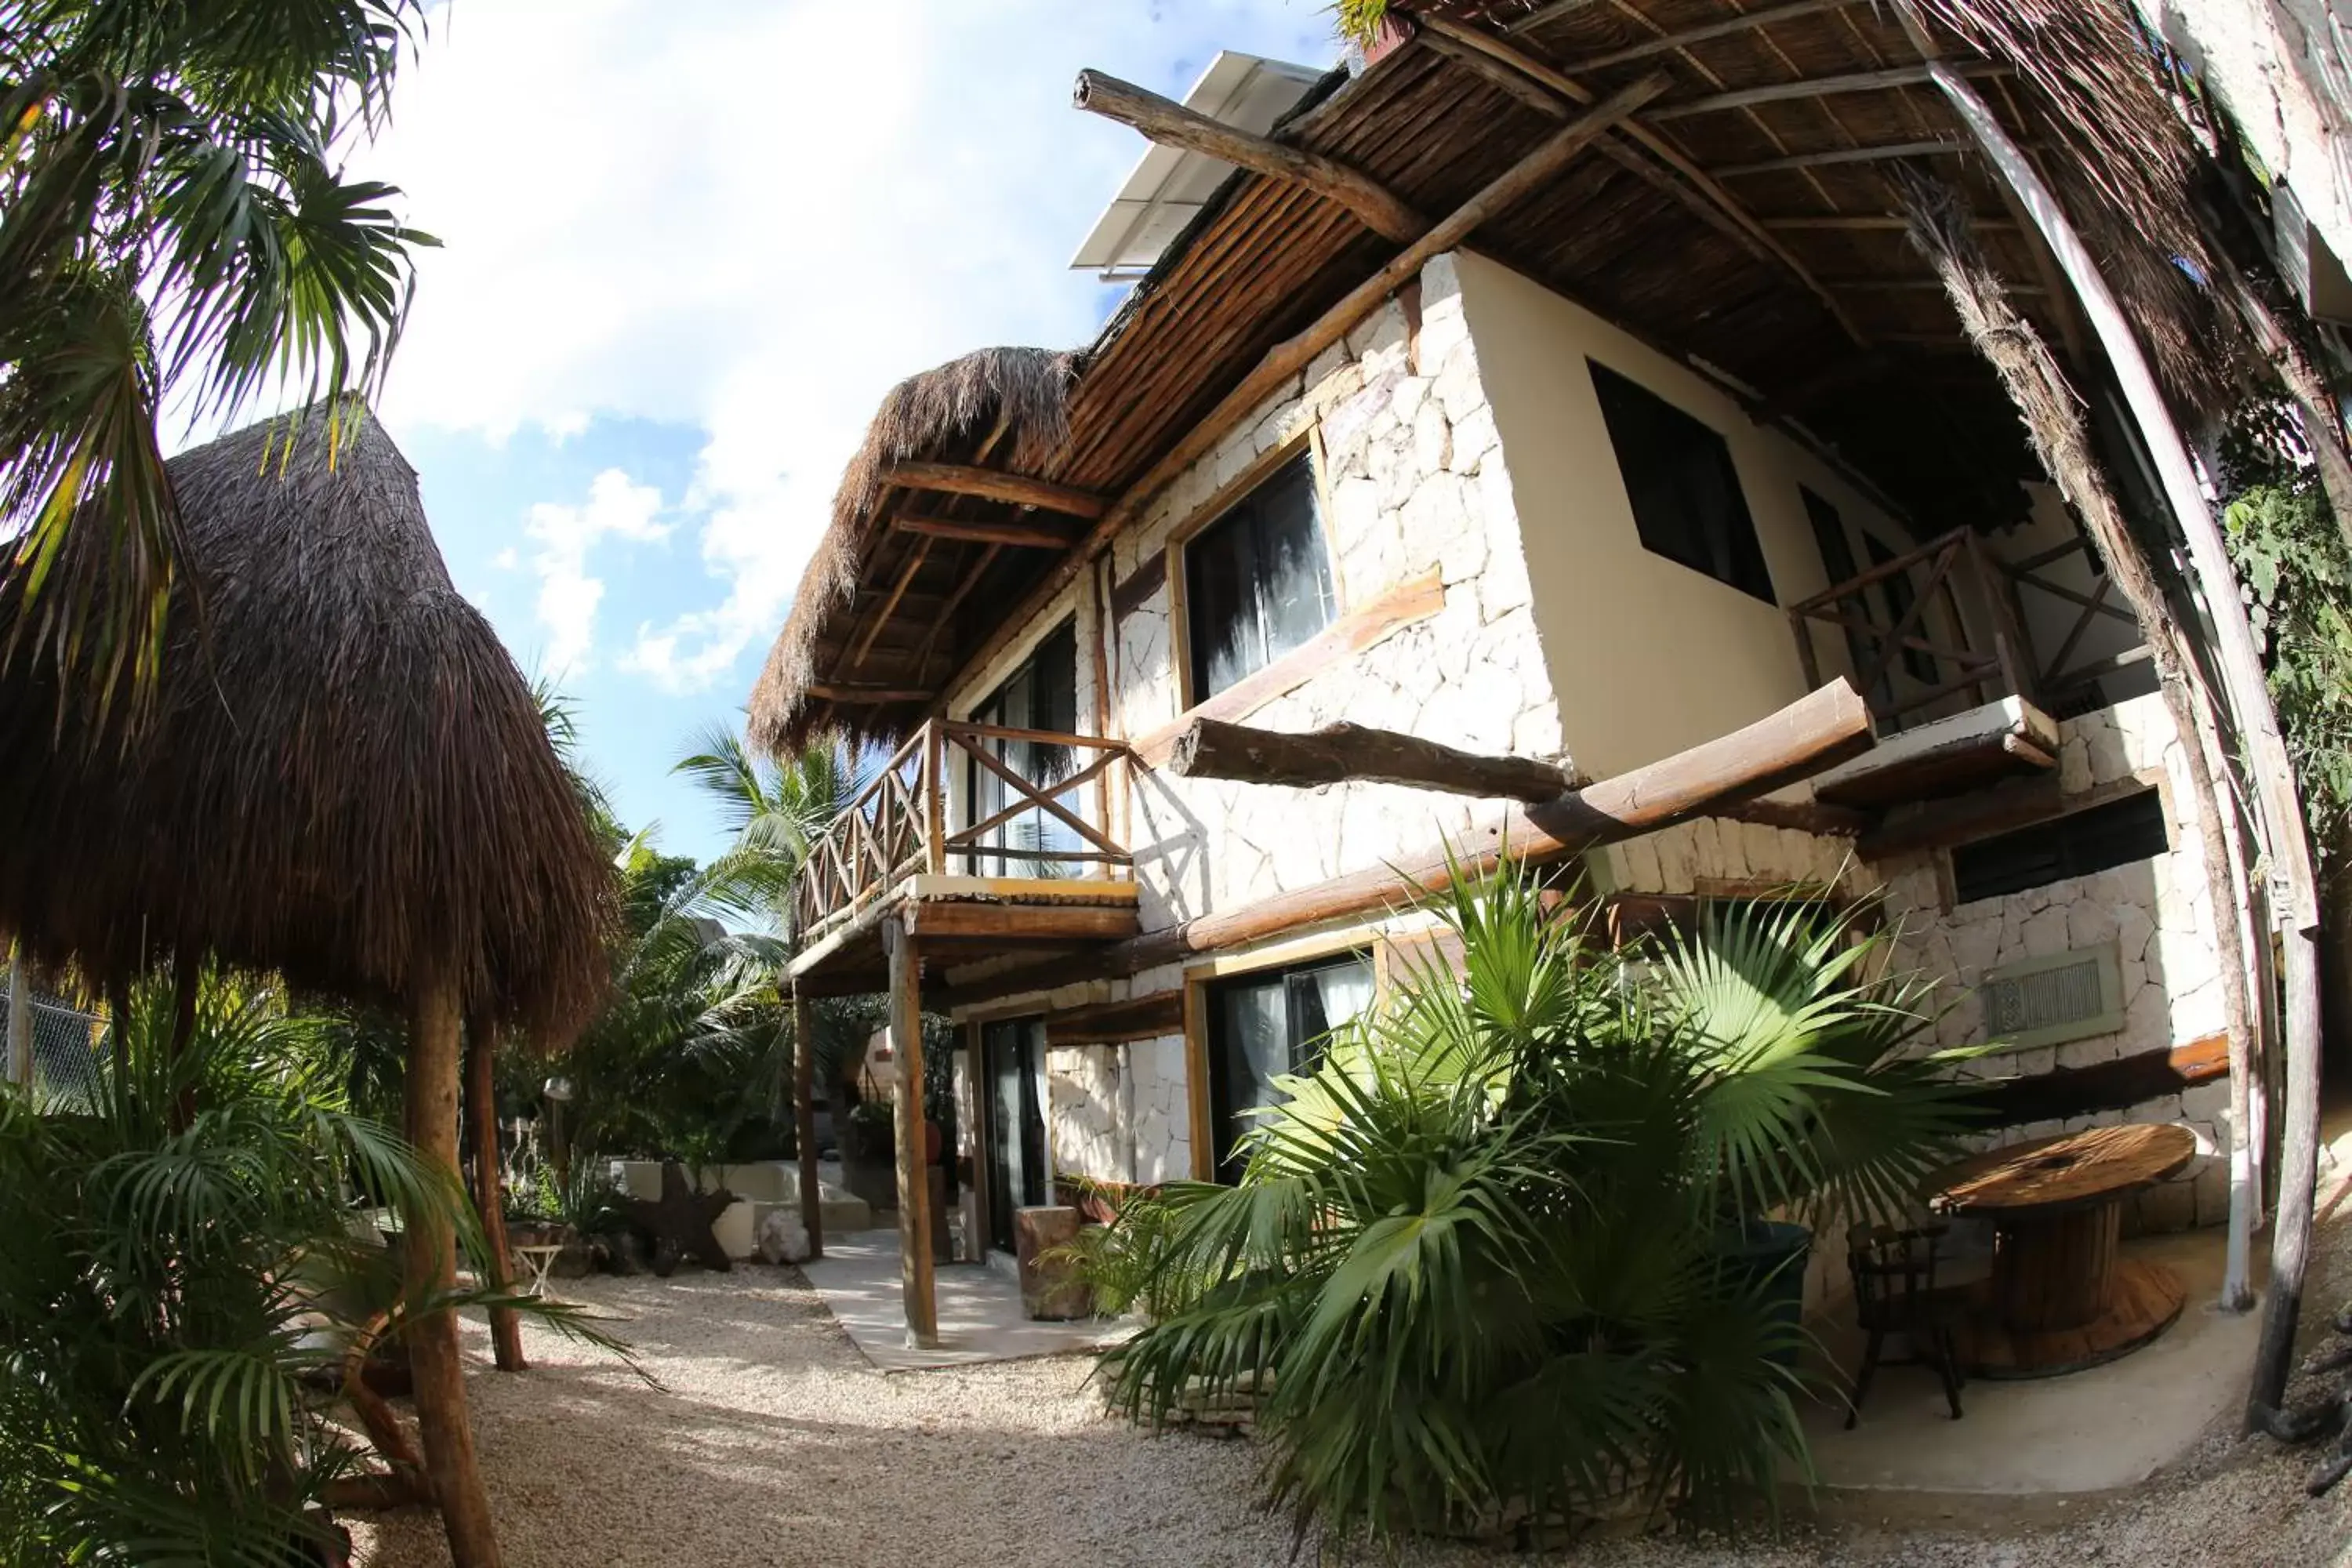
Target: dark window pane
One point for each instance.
(1686, 495)
(2076, 844)
(1043, 694)
(1265, 1026)
(1257, 581)
(1010, 1052)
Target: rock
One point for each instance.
(783, 1238)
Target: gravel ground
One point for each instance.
(770, 1441)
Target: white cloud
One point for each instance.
(753, 216)
(568, 595)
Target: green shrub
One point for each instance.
(1473, 1276)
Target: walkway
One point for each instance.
(980, 1312)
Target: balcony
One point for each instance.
(1946, 641)
(1029, 865)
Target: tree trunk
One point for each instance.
(20, 1020)
(491, 1189)
(1336, 753)
(1939, 228)
(430, 1263)
(804, 1120)
(914, 1168)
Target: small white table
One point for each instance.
(536, 1260)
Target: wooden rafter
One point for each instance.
(1172, 124)
(990, 484)
(1703, 187)
(864, 644)
(1846, 156)
(1020, 532)
(955, 596)
(842, 691)
(1668, 43)
(1811, 87)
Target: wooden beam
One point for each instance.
(490, 1189)
(1836, 155)
(844, 691)
(1812, 88)
(1809, 735)
(962, 479)
(1294, 354)
(864, 644)
(1172, 124)
(917, 1290)
(1114, 1023)
(1340, 754)
(1704, 186)
(2119, 1085)
(1886, 222)
(964, 586)
(1669, 42)
(1545, 16)
(812, 1188)
(1020, 532)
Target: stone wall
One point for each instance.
(1411, 484)
(2160, 913)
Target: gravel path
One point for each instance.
(770, 1441)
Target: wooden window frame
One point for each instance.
(1292, 953)
(1306, 443)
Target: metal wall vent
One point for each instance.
(2065, 997)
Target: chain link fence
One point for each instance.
(65, 1048)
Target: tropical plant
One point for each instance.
(776, 811)
(175, 226)
(1476, 1273)
(183, 1264)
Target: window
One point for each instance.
(1011, 1054)
(1256, 582)
(2075, 845)
(1043, 694)
(1262, 1027)
(1687, 504)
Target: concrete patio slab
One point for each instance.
(980, 1312)
(2112, 1426)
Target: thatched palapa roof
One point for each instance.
(1742, 222)
(1009, 404)
(344, 778)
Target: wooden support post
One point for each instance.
(905, 1005)
(2050, 407)
(490, 1187)
(20, 1020)
(2271, 769)
(430, 1265)
(1213, 748)
(1172, 125)
(804, 1120)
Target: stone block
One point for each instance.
(1474, 436)
(2206, 1101)
(1050, 1289)
(2089, 923)
(2211, 1180)
(2044, 933)
(2167, 1206)
(1432, 439)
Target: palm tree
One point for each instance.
(175, 227)
(776, 810)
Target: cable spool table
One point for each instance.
(2062, 1296)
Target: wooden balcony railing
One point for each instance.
(898, 825)
(1901, 668)
(1930, 670)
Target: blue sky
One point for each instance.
(687, 246)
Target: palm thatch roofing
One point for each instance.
(1751, 230)
(343, 778)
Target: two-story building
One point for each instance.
(1588, 412)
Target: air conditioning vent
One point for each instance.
(2043, 1001)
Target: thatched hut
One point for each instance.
(340, 777)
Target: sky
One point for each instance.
(686, 247)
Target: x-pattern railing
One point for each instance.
(896, 825)
(1938, 564)
(2054, 677)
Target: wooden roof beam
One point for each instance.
(1170, 124)
(1846, 156)
(864, 644)
(1703, 188)
(1019, 532)
(1667, 43)
(857, 693)
(1812, 87)
(990, 484)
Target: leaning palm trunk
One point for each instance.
(1940, 229)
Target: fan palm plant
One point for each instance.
(175, 226)
(1474, 1275)
(175, 1285)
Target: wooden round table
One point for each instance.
(2062, 1297)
